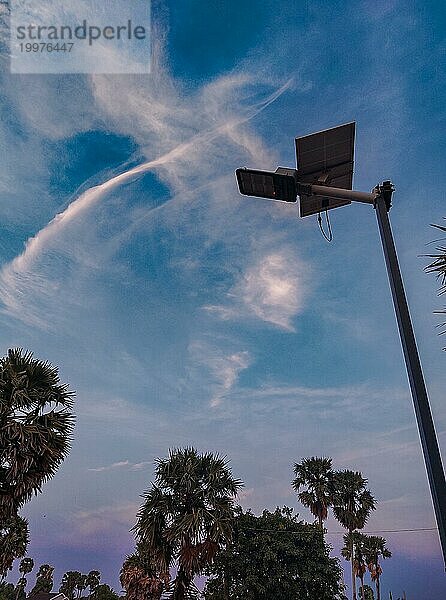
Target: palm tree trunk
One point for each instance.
(182, 583)
(226, 585)
(353, 567)
(378, 589)
(158, 594)
(353, 580)
(362, 587)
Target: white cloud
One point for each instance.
(141, 465)
(116, 465)
(223, 368)
(226, 370)
(273, 289)
(121, 464)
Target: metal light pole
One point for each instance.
(431, 452)
(323, 181)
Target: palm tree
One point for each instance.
(14, 539)
(352, 505)
(374, 549)
(36, 424)
(187, 514)
(316, 475)
(25, 567)
(353, 550)
(139, 577)
(438, 266)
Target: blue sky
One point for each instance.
(183, 313)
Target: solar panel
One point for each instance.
(326, 158)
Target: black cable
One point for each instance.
(328, 237)
(343, 532)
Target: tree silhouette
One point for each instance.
(316, 476)
(36, 424)
(44, 580)
(352, 505)
(375, 549)
(187, 514)
(14, 539)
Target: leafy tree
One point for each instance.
(438, 266)
(7, 591)
(69, 583)
(187, 514)
(81, 584)
(93, 580)
(315, 475)
(368, 593)
(105, 592)
(36, 424)
(274, 556)
(352, 505)
(13, 540)
(44, 580)
(25, 567)
(375, 549)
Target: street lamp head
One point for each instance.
(278, 185)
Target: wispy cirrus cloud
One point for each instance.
(223, 368)
(166, 125)
(115, 465)
(121, 465)
(273, 289)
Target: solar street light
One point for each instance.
(278, 185)
(323, 181)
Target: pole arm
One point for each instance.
(308, 189)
